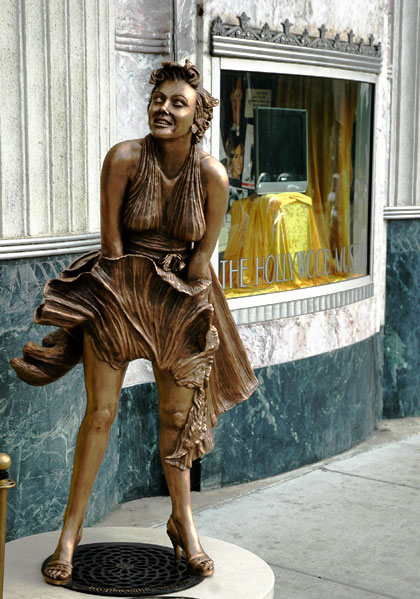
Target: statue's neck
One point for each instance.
(172, 154)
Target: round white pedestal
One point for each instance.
(239, 574)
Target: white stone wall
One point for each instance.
(338, 16)
(56, 114)
(405, 146)
(304, 336)
(145, 37)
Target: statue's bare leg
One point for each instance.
(103, 385)
(174, 405)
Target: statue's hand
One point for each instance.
(197, 270)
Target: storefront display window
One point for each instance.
(297, 150)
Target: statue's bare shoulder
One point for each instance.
(124, 157)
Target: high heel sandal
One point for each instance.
(199, 563)
(61, 565)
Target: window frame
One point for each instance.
(258, 308)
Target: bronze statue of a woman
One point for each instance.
(149, 293)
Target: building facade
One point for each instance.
(319, 115)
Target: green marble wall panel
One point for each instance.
(302, 412)
(402, 320)
(39, 424)
(140, 470)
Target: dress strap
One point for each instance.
(142, 208)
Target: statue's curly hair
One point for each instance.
(205, 102)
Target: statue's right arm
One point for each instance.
(119, 168)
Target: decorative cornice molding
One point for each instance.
(144, 43)
(279, 44)
(400, 212)
(11, 249)
(265, 34)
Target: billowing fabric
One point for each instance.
(140, 305)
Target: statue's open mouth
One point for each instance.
(162, 122)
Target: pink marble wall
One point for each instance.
(289, 339)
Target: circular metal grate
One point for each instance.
(128, 570)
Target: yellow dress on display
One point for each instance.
(277, 238)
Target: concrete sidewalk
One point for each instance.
(344, 528)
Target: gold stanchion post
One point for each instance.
(5, 484)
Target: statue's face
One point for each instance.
(172, 109)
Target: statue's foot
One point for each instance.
(59, 569)
(58, 572)
(198, 561)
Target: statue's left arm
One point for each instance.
(215, 185)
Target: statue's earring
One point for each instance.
(194, 128)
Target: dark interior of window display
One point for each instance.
(297, 151)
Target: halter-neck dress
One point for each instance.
(140, 305)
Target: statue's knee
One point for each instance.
(173, 419)
(101, 419)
